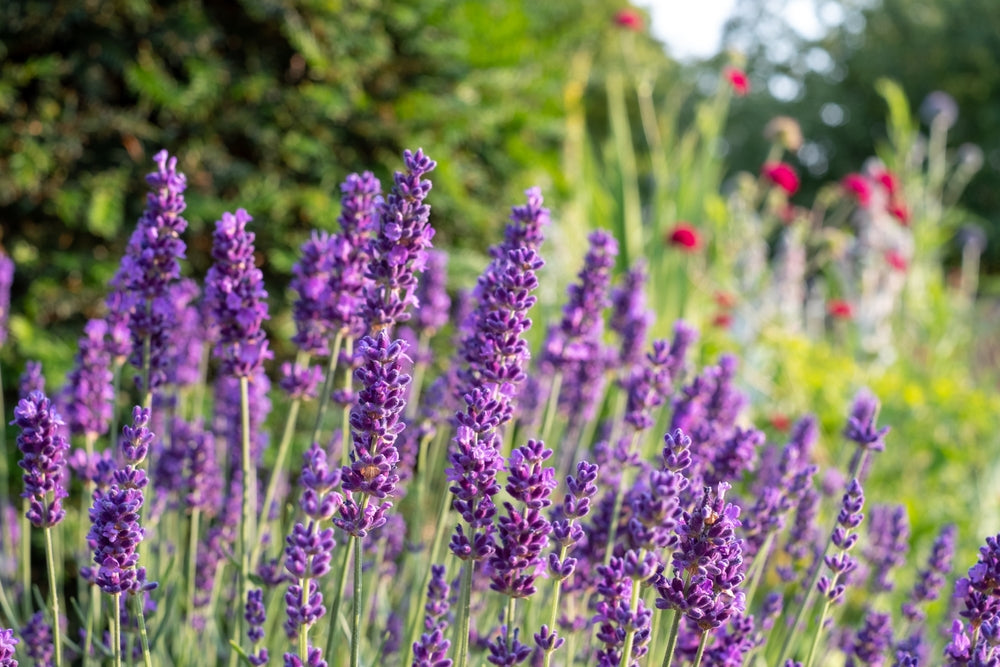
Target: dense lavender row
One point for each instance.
(603, 502)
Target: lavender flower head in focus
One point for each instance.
(8, 644)
(234, 289)
(43, 458)
(399, 250)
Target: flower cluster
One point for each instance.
(88, 395)
(234, 290)
(43, 458)
(400, 248)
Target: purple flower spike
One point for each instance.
(8, 642)
(308, 552)
(6, 280)
(504, 654)
(841, 564)
(256, 617)
(313, 659)
(300, 382)
(88, 397)
(376, 418)
(399, 250)
(630, 318)
(872, 642)
(861, 424)
(436, 609)
(115, 532)
(432, 295)
(32, 379)
(432, 650)
(889, 542)
(319, 501)
(44, 452)
(234, 291)
(311, 281)
(932, 578)
(37, 636)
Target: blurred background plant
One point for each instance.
(739, 180)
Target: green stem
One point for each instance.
(819, 633)
(25, 560)
(701, 648)
(345, 421)
(143, 639)
(464, 615)
(95, 613)
(324, 396)
(619, 501)
(247, 522)
(116, 630)
(276, 475)
(54, 590)
(356, 616)
(304, 631)
(419, 369)
(193, 557)
(551, 406)
(675, 624)
(633, 603)
(335, 612)
(756, 569)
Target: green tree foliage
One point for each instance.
(829, 83)
(268, 104)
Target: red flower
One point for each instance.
(840, 309)
(722, 320)
(725, 300)
(780, 422)
(856, 185)
(738, 80)
(898, 210)
(630, 19)
(896, 260)
(685, 237)
(888, 180)
(782, 175)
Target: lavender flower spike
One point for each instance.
(88, 397)
(399, 250)
(861, 424)
(255, 618)
(6, 280)
(44, 452)
(8, 642)
(234, 291)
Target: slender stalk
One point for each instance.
(247, 522)
(95, 613)
(324, 396)
(633, 604)
(511, 602)
(193, 557)
(464, 616)
(419, 369)
(675, 624)
(54, 590)
(356, 616)
(757, 567)
(116, 630)
(335, 612)
(819, 633)
(143, 640)
(554, 608)
(701, 648)
(276, 474)
(304, 630)
(551, 406)
(25, 561)
(619, 501)
(345, 421)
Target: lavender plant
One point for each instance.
(653, 524)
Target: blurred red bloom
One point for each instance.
(888, 180)
(896, 260)
(629, 19)
(738, 80)
(722, 320)
(780, 422)
(725, 300)
(858, 187)
(898, 210)
(685, 237)
(782, 175)
(840, 309)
